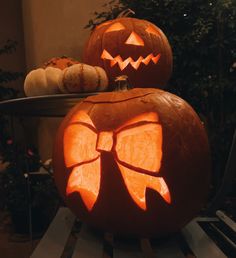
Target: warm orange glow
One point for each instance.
(105, 141)
(106, 55)
(134, 39)
(73, 139)
(156, 58)
(81, 117)
(128, 143)
(150, 57)
(137, 184)
(115, 27)
(85, 179)
(134, 142)
(124, 63)
(150, 29)
(136, 63)
(147, 117)
(103, 24)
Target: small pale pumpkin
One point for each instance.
(83, 78)
(43, 82)
(74, 79)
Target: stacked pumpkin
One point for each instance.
(134, 161)
(65, 75)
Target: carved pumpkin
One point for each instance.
(133, 162)
(136, 48)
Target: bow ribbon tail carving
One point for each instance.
(85, 179)
(137, 184)
(80, 154)
(141, 138)
(83, 145)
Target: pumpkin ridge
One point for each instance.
(82, 81)
(98, 79)
(64, 86)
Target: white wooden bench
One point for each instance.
(67, 237)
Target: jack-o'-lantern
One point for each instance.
(133, 162)
(130, 46)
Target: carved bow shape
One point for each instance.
(136, 147)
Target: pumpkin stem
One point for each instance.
(122, 83)
(126, 13)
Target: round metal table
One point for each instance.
(48, 105)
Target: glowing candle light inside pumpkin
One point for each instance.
(133, 47)
(129, 161)
(83, 145)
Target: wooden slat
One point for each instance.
(226, 238)
(53, 241)
(227, 220)
(209, 219)
(88, 244)
(200, 243)
(146, 248)
(71, 241)
(121, 253)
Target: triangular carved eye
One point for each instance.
(134, 39)
(103, 24)
(152, 30)
(115, 27)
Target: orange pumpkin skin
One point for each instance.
(60, 62)
(134, 51)
(181, 154)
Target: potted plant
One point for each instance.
(22, 193)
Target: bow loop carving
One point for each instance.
(129, 144)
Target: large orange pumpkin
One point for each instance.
(133, 162)
(134, 47)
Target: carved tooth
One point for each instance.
(116, 59)
(123, 64)
(106, 55)
(137, 63)
(156, 58)
(147, 59)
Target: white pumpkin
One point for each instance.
(83, 78)
(43, 82)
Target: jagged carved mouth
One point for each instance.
(129, 61)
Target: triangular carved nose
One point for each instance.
(134, 39)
